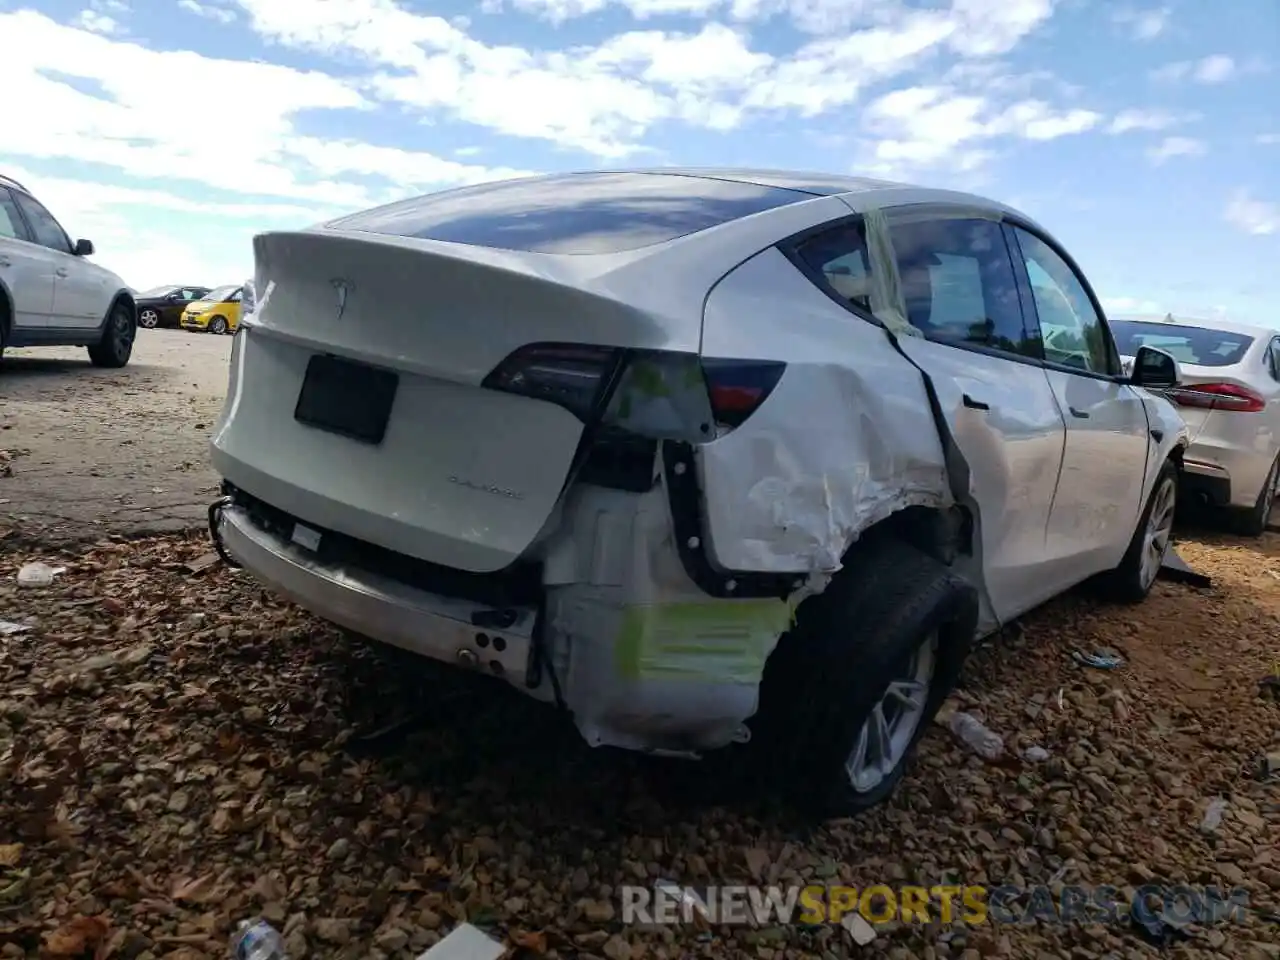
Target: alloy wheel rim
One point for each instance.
(1159, 531)
(148, 318)
(123, 334)
(891, 726)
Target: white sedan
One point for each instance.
(50, 293)
(700, 456)
(1230, 399)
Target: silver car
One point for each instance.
(1229, 395)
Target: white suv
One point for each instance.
(698, 456)
(50, 295)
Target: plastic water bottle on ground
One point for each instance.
(38, 574)
(974, 734)
(257, 940)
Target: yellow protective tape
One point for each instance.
(726, 641)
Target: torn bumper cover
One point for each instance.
(620, 635)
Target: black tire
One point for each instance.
(1128, 583)
(1253, 522)
(148, 318)
(116, 346)
(829, 673)
(218, 325)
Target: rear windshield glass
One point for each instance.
(1198, 345)
(573, 213)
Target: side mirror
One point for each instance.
(1154, 369)
(176, 295)
(84, 248)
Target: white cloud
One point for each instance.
(604, 99)
(1144, 24)
(129, 126)
(1212, 69)
(96, 99)
(132, 126)
(923, 126)
(1128, 120)
(1171, 147)
(1258, 217)
(97, 22)
(208, 11)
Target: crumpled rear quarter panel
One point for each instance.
(845, 439)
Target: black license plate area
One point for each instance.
(347, 398)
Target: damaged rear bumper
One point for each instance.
(442, 628)
(615, 632)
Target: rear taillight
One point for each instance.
(1218, 396)
(738, 387)
(650, 393)
(569, 375)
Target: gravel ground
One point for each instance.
(177, 751)
(86, 453)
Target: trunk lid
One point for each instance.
(394, 440)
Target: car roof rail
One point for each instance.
(9, 181)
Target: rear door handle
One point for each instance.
(973, 404)
(61, 272)
(1082, 414)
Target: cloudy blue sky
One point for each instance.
(1146, 136)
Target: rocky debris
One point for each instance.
(179, 753)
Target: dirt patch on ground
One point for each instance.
(85, 453)
(177, 753)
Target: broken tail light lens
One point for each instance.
(658, 394)
(572, 376)
(1218, 396)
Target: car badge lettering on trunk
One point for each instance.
(342, 288)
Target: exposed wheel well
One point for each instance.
(941, 534)
(124, 298)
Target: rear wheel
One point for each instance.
(1132, 580)
(116, 346)
(850, 691)
(218, 325)
(148, 318)
(1253, 522)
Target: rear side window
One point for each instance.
(11, 225)
(839, 256)
(573, 213)
(1201, 346)
(958, 284)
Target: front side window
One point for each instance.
(1073, 332)
(11, 225)
(958, 284)
(46, 229)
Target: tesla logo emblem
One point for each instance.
(342, 288)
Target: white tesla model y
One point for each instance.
(701, 456)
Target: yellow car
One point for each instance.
(218, 311)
